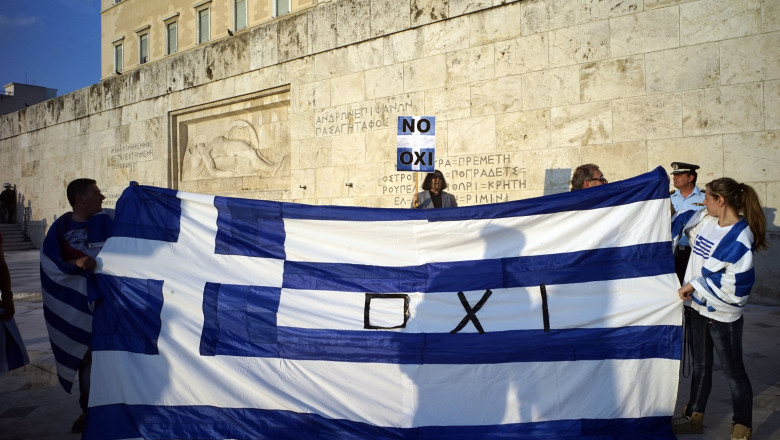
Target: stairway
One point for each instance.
(13, 238)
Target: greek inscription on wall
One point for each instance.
(365, 116)
(473, 180)
(129, 155)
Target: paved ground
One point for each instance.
(34, 407)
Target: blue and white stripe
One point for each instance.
(229, 318)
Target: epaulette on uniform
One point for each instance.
(672, 191)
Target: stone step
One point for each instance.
(13, 238)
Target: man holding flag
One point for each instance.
(67, 264)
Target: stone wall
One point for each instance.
(304, 108)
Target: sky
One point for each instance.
(50, 43)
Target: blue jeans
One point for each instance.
(726, 339)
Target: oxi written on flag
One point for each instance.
(547, 318)
(416, 143)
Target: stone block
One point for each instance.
(366, 180)
(612, 79)
(331, 63)
(543, 168)
(528, 130)
(388, 16)
(617, 161)
(772, 105)
(385, 81)
(311, 96)
(353, 22)
(655, 4)
(293, 37)
(684, 68)
(364, 56)
(322, 27)
(644, 32)
(302, 125)
(428, 11)
(551, 87)
(448, 102)
(302, 178)
(749, 59)
(770, 17)
(79, 102)
(647, 117)
(770, 203)
(331, 182)
(595, 10)
(461, 7)
(579, 44)
(714, 20)
(381, 145)
(521, 55)
(264, 46)
(728, 109)
(705, 151)
(403, 46)
(498, 95)
(583, 124)
(9, 125)
(752, 156)
(469, 65)
(444, 36)
(425, 73)
(497, 24)
(541, 16)
(348, 88)
(348, 149)
(471, 136)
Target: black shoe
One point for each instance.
(78, 425)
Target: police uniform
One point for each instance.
(694, 202)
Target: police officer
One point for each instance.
(686, 197)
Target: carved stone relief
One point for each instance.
(235, 147)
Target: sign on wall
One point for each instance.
(416, 143)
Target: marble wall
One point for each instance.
(304, 108)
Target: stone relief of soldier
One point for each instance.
(235, 154)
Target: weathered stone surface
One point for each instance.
(545, 15)
(293, 41)
(772, 105)
(385, 81)
(752, 157)
(611, 79)
(754, 58)
(593, 10)
(388, 16)
(448, 102)
(464, 134)
(644, 32)
(348, 88)
(348, 149)
(579, 44)
(713, 20)
(685, 68)
(647, 117)
(425, 73)
(770, 14)
(470, 65)
(551, 88)
(496, 96)
(460, 7)
(443, 37)
(521, 55)
(322, 27)
(264, 46)
(631, 156)
(583, 124)
(403, 46)
(727, 109)
(705, 151)
(353, 21)
(493, 25)
(529, 130)
(428, 11)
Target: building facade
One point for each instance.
(136, 32)
(17, 96)
(303, 107)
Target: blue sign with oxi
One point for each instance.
(416, 143)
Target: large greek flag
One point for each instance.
(548, 318)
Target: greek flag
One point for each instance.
(548, 318)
